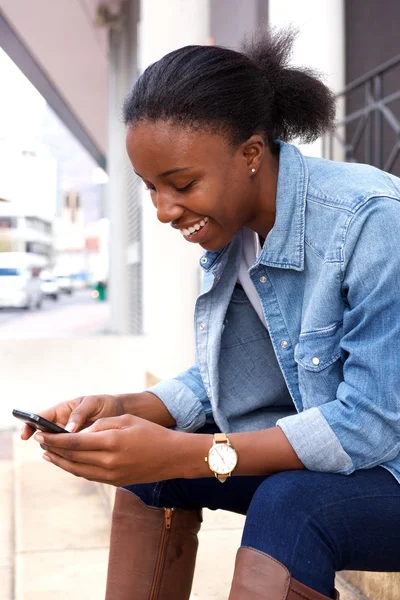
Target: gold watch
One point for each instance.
(222, 457)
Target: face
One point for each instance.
(198, 184)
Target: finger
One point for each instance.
(83, 440)
(27, 432)
(97, 458)
(90, 472)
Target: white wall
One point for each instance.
(320, 43)
(170, 264)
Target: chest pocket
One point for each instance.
(320, 366)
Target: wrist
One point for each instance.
(146, 406)
(189, 451)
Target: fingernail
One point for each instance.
(46, 457)
(70, 426)
(39, 438)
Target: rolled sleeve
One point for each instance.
(315, 443)
(185, 399)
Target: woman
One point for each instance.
(297, 378)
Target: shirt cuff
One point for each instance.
(315, 443)
(182, 404)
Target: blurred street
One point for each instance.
(72, 315)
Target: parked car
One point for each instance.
(20, 287)
(65, 283)
(49, 285)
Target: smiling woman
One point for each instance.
(195, 144)
(293, 403)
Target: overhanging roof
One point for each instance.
(57, 46)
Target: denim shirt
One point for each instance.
(327, 369)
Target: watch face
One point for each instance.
(222, 459)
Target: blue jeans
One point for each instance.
(314, 523)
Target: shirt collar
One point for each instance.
(284, 245)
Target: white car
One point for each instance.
(20, 287)
(65, 283)
(49, 285)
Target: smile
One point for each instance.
(196, 227)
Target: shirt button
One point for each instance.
(316, 361)
(218, 277)
(203, 260)
(263, 279)
(284, 344)
(202, 326)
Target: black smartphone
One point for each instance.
(38, 422)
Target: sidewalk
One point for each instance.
(56, 532)
(54, 528)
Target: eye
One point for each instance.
(149, 188)
(186, 187)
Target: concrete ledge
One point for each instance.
(150, 379)
(107, 495)
(375, 586)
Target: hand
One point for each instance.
(79, 413)
(119, 451)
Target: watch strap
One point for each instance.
(221, 438)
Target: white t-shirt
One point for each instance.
(251, 250)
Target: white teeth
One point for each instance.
(194, 228)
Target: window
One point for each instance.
(8, 222)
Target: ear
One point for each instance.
(253, 151)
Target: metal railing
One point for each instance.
(366, 134)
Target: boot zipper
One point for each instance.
(161, 553)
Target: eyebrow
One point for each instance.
(166, 173)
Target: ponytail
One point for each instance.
(236, 93)
(301, 106)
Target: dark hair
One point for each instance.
(238, 93)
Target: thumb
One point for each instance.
(71, 426)
(77, 418)
(83, 413)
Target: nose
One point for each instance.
(167, 209)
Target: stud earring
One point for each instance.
(253, 170)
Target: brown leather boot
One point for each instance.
(258, 576)
(152, 550)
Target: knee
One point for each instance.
(286, 504)
(282, 495)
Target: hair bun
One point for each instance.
(302, 106)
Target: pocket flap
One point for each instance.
(316, 350)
